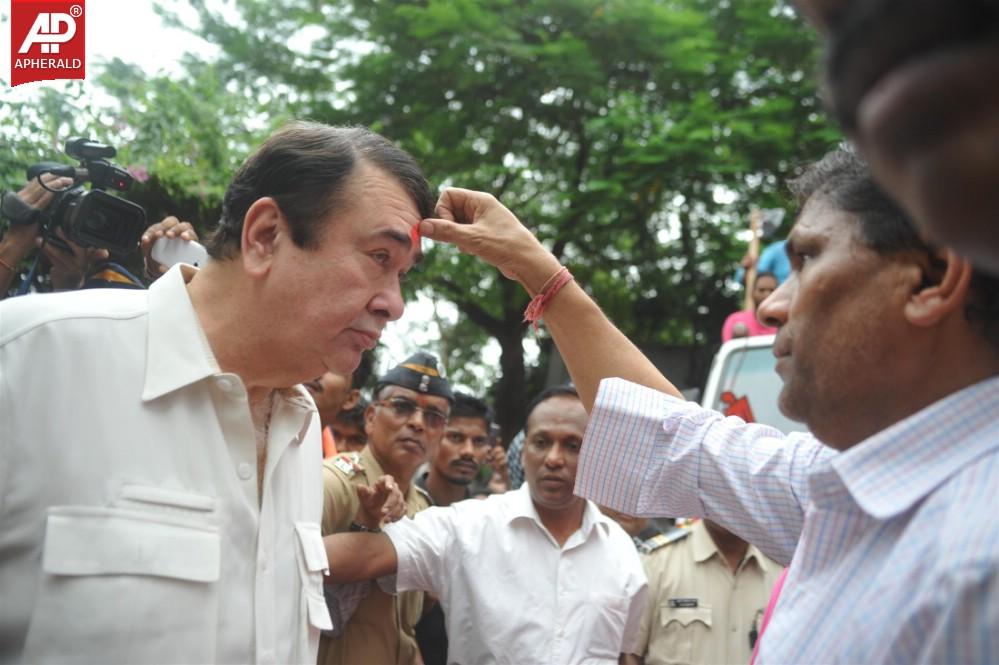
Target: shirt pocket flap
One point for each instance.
(686, 616)
(108, 541)
(319, 613)
(313, 549)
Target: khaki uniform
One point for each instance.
(698, 611)
(380, 632)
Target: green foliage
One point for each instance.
(633, 136)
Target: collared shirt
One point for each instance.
(897, 538)
(511, 594)
(699, 611)
(131, 529)
(380, 627)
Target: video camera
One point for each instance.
(91, 218)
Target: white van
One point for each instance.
(742, 382)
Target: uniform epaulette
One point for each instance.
(662, 540)
(425, 494)
(349, 464)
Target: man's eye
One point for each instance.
(381, 257)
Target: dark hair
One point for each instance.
(466, 406)
(844, 180)
(305, 167)
(353, 416)
(767, 273)
(566, 389)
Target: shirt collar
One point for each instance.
(522, 507)
(704, 548)
(177, 353)
(889, 472)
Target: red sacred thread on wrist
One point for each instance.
(536, 308)
(7, 266)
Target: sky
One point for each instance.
(133, 32)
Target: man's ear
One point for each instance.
(261, 229)
(944, 290)
(369, 419)
(352, 399)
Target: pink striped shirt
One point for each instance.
(895, 542)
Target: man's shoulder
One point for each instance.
(659, 544)
(421, 497)
(343, 469)
(23, 314)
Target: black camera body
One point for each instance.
(92, 218)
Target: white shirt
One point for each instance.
(895, 542)
(510, 594)
(129, 522)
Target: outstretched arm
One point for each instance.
(592, 347)
(355, 557)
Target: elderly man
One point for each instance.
(888, 352)
(160, 491)
(405, 422)
(535, 575)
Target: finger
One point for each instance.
(446, 231)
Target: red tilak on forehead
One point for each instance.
(414, 234)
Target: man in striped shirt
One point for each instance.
(888, 350)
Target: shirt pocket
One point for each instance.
(606, 621)
(680, 630)
(312, 566)
(125, 586)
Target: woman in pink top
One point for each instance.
(744, 323)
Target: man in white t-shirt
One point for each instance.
(537, 575)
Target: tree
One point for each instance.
(632, 136)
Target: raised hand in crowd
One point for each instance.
(383, 502)
(497, 460)
(169, 227)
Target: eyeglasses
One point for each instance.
(403, 409)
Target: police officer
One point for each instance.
(707, 593)
(404, 425)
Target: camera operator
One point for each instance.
(68, 269)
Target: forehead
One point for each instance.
(376, 207)
(821, 220)
(563, 413)
(422, 399)
(467, 425)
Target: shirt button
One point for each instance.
(225, 384)
(245, 470)
(263, 565)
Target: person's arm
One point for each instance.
(355, 557)
(19, 240)
(592, 347)
(631, 659)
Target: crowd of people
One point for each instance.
(172, 503)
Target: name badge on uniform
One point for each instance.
(683, 602)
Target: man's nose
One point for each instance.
(773, 311)
(555, 457)
(388, 302)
